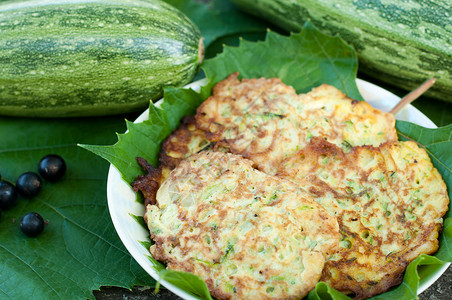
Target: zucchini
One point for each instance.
(69, 58)
(401, 43)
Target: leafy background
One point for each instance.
(79, 250)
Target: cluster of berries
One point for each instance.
(51, 167)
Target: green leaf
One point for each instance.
(124, 157)
(408, 288)
(144, 139)
(218, 18)
(140, 220)
(187, 282)
(233, 41)
(79, 250)
(445, 241)
(324, 291)
(158, 266)
(303, 60)
(180, 102)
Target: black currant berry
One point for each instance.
(32, 224)
(29, 184)
(52, 167)
(8, 195)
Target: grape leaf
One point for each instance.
(256, 59)
(79, 250)
(188, 282)
(324, 291)
(303, 60)
(144, 139)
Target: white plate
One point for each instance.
(122, 201)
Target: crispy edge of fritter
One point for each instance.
(173, 150)
(148, 183)
(427, 242)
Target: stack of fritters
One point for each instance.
(388, 200)
(386, 196)
(266, 121)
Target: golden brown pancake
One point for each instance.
(247, 234)
(389, 202)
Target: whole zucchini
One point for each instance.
(92, 57)
(402, 43)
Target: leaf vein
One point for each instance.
(339, 74)
(83, 228)
(83, 264)
(5, 293)
(31, 268)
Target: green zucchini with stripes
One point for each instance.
(68, 58)
(402, 43)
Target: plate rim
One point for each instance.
(144, 262)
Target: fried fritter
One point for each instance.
(266, 121)
(389, 202)
(180, 144)
(249, 235)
